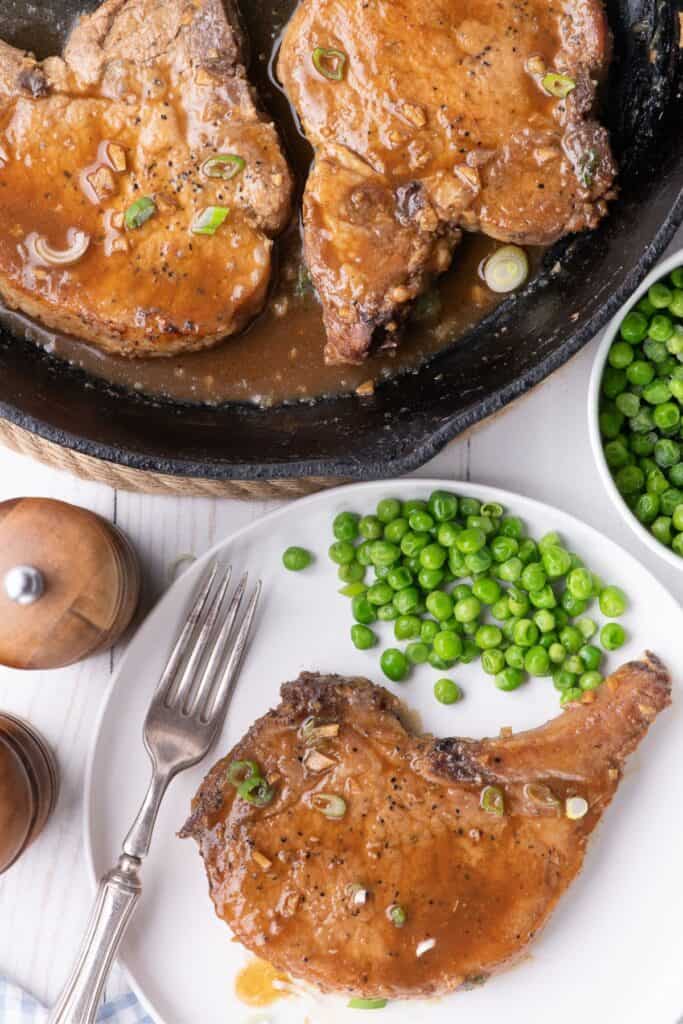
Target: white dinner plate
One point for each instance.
(612, 951)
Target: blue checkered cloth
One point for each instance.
(17, 1007)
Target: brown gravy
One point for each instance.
(279, 357)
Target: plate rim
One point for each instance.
(489, 491)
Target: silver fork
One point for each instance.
(184, 718)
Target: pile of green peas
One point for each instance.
(640, 411)
(460, 580)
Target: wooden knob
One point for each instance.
(70, 583)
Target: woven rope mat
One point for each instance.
(125, 479)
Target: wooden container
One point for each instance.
(69, 583)
(28, 787)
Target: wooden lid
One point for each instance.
(90, 583)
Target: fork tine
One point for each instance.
(182, 644)
(208, 677)
(180, 695)
(217, 708)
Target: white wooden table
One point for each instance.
(538, 447)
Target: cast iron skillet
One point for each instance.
(412, 417)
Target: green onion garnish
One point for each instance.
(396, 915)
(209, 220)
(139, 212)
(224, 166)
(256, 791)
(492, 800)
(367, 1004)
(506, 269)
(558, 85)
(241, 770)
(492, 509)
(332, 806)
(329, 63)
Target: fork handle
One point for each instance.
(117, 897)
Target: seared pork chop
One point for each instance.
(431, 117)
(474, 841)
(150, 105)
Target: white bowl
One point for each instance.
(611, 331)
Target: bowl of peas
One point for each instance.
(635, 409)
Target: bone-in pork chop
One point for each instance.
(431, 117)
(386, 864)
(140, 186)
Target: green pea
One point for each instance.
(676, 475)
(407, 627)
(677, 517)
(643, 444)
(528, 551)
(514, 656)
(545, 620)
(659, 295)
(591, 656)
(512, 526)
(657, 482)
(387, 612)
(533, 576)
(462, 591)
(661, 328)
(492, 661)
(380, 593)
(440, 605)
(353, 589)
(456, 562)
(428, 630)
(417, 653)
(661, 529)
(420, 522)
(574, 664)
(478, 562)
(295, 559)
(677, 544)
(587, 628)
(470, 506)
(407, 600)
(670, 500)
(399, 577)
(370, 528)
(612, 602)
(640, 373)
(362, 610)
(612, 636)
(342, 552)
(614, 381)
(557, 653)
(433, 556)
(362, 637)
(394, 664)
(509, 679)
(633, 327)
(572, 695)
(469, 541)
(629, 480)
(657, 392)
(667, 416)
(573, 606)
(345, 526)
(415, 505)
(470, 651)
(611, 422)
(448, 645)
(396, 530)
(627, 404)
(447, 534)
(620, 355)
(384, 553)
(525, 633)
(556, 561)
(443, 506)
(501, 609)
(571, 639)
(446, 691)
(503, 548)
(580, 583)
(363, 553)
(590, 680)
(677, 277)
(466, 610)
(352, 572)
(518, 601)
(413, 543)
(388, 509)
(543, 598)
(511, 570)
(564, 680)
(537, 661)
(655, 350)
(487, 637)
(486, 590)
(430, 579)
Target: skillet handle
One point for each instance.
(117, 897)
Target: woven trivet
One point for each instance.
(125, 479)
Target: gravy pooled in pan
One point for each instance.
(360, 857)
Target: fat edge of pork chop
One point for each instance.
(432, 118)
(476, 887)
(146, 93)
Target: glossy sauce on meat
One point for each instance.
(280, 355)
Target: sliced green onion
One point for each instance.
(139, 212)
(367, 1004)
(396, 915)
(329, 63)
(492, 800)
(540, 795)
(209, 220)
(558, 85)
(492, 508)
(332, 806)
(576, 807)
(238, 771)
(256, 791)
(506, 269)
(224, 166)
